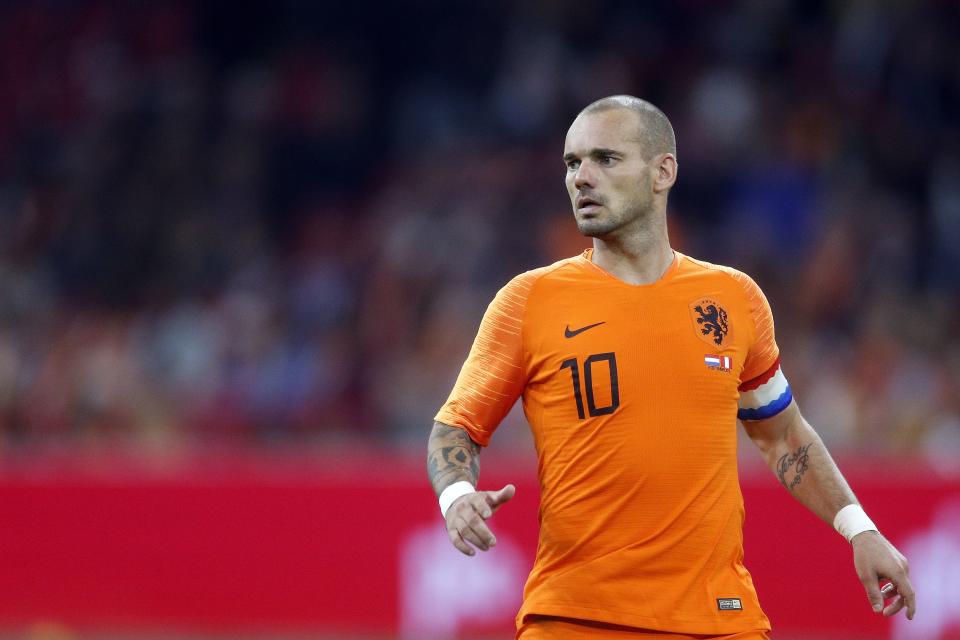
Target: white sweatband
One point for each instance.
(451, 493)
(851, 520)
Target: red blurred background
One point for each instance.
(227, 544)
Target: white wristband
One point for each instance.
(851, 520)
(451, 493)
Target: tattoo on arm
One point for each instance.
(798, 462)
(451, 456)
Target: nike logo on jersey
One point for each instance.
(567, 333)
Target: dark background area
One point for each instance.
(277, 225)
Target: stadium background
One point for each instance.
(244, 251)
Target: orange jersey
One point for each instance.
(632, 393)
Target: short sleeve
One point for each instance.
(763, 352)
(494, 374)
(764, 390)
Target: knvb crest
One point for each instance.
(710, 321)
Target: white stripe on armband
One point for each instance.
(851, 520)
(451, 493)
(766, 399)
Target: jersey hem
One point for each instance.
(670, 625)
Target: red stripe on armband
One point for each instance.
(763, 378)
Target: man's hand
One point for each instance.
(466, 518)
(876, 559)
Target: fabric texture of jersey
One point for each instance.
(632, 395)
(541, 628)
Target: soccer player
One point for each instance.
(634, 363)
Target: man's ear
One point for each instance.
(666, 173)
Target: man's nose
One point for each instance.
(583, 177)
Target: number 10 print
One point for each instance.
(611, 359)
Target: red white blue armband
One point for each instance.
(765, 396)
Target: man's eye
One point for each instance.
(572, 165)
(604, 159)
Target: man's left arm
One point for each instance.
(801, 462)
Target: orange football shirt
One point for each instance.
(631, 392)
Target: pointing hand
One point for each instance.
(467, 516)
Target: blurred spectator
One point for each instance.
(281, 226)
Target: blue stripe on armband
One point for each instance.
(767, 411)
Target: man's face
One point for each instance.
(608, 180)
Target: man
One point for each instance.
(634, 363)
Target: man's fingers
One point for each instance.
(458, 542)
(475, 505)
(887, 589)
(894, 606)
(872, 588)
(900, 594)
(877, 561)
(466, 519)
(908, 598)
(497, 498)
(471, 537)
(476, 536)
(469, 522)
(483, 509)
(482, 532)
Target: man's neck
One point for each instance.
(636, 258)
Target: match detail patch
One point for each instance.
(765, 396)
(729, 604)
(719, 363)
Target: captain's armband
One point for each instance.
(765, 396)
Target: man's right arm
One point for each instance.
(453, 457)
(491, 380)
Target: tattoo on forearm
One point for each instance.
(797, 461)
(451, 456)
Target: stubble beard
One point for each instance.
(598, 228)
(616, 222)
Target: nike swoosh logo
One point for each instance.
(569, 334)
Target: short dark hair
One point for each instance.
(656, 132)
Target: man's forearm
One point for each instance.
(803, 465)
(805, 468)
(451, 456)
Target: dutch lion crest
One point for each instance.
(710, 321)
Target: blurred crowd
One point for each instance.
(280, 225)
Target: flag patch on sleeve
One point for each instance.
(765, 396)
(720, 363)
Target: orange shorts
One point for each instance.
(554, 628)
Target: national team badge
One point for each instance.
(710, 321)
(718, 363)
